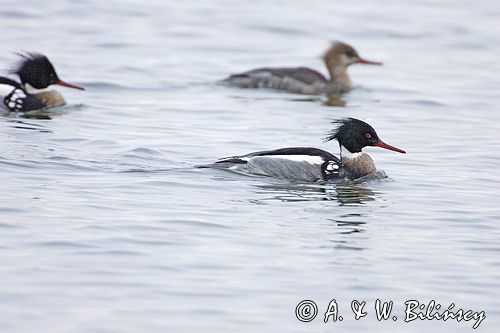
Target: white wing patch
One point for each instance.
(289, 84)
(262, 74)
(15, 100)
(296, 158)
(332, 166)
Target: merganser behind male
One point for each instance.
(303, 80)
(313, 164)
(36, 73)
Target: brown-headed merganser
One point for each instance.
(36, 73)
(313, 164)
(303, 80)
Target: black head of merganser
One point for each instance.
(353, 135)
(38, 72)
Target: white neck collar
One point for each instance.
(345, 153)
(31, 90)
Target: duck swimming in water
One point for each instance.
(313, 164)
(36, 73)
(303, 80)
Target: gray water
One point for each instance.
(107, 227)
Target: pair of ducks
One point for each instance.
(36, 74)
(304, 163)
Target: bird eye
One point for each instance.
(349, 53)
(368, 136)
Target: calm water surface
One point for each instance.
(107, 227)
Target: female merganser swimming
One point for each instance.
(36, 73)
(302, 80)
(312, 164)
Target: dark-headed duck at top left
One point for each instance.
(36, 73)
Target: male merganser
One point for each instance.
(36, 73)
(302, 80)
(313, 164)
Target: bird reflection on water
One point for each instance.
(335, 99)
(24, 125)
(343, 231)
(350, 223)
(351, 193)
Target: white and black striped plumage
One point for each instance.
(313, 164)
(297, 163)
(15, 98)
